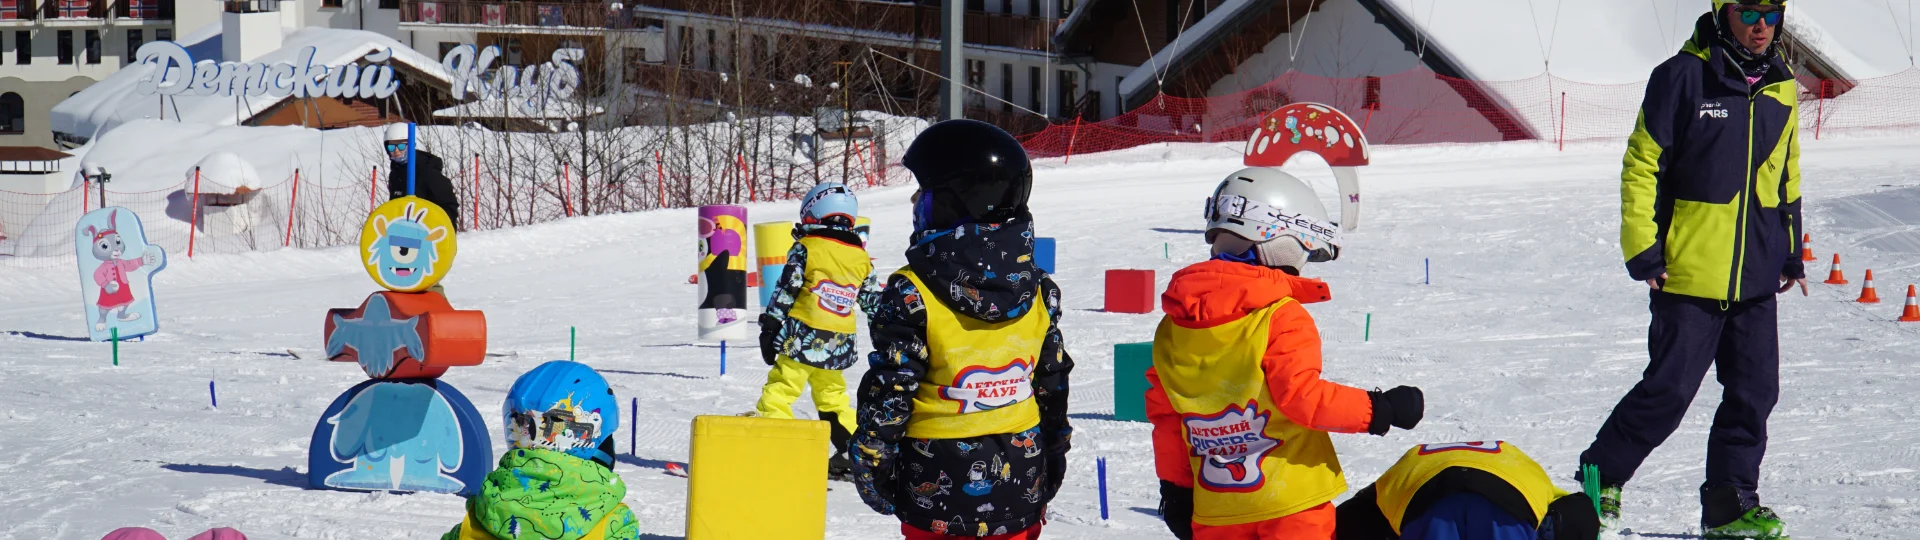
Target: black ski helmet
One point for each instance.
(972, 170)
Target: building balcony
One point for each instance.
(529, 14)
(85, 11)
(907, 21)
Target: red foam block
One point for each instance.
(1130, 291)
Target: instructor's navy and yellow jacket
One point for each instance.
(1710, 191)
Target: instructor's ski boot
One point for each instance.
(1606, 499)
(1759, 523)
(839, 467)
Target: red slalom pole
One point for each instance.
(1563, 121)
(85, 198)
(476, 191)
(1071, 138)
(566, 194)
(660, 177)
(193, 225)
(292, 206)
(373, 186)
(746, 175)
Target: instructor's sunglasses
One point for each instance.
(1754, 16)
(396, 146)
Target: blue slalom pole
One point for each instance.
(212, 396)
(1102, 462)
(1428, 280)
(633, 430)
(412, 144)
(723, 358)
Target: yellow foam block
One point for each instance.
(758, 478)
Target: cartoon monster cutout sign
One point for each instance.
(408, 244)
(116, 274)
(1320, 130)
(405, 429)
(723, 273)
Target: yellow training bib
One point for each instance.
(830, 290)
(980, 377)
(1250, 462)
(1396, 487)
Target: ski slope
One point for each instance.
(1529, 332)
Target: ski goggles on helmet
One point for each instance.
(396, 146)
(1259, 222)
(1754, 16)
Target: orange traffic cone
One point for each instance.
(1806, 247)
(1867, 294)
(1912, 313)
(1834, 277)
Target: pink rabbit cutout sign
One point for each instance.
(116, 274)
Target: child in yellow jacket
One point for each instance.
(807, 331)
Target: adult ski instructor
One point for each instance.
(1710, 220)
(429, 182)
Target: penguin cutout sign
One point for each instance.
(116, 274)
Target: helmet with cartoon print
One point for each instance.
(827, 202)
(565, 407)
(1263, 216)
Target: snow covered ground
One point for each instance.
(1529, 332)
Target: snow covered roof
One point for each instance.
(115, 100)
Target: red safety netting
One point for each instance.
(1419, 106)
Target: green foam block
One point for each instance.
(1130, 363)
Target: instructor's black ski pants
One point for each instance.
(1687, 335)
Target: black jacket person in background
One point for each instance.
(429, 182)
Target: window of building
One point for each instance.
(163, 34)
(331, 3)
(512, 51)
(447, 47)
(758, 54)
(135, 38)
(686, 47)
(13, 114)
(1036, 99)
(713, 59)
(976, 73)
(93, 46)
(1006, 6)
(22, 47)
(632, 58)
(1006, 87)
(1069, 89)
(389, 4)
(65, 47)
(651, 22)
(1033, 8)
(976, 5)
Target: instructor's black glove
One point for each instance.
(1176, 508)
(768, 348)
(1401, 407)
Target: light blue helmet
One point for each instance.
(562, 406)
(827, 200)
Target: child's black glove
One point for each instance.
(1176, 508)
(1401, 407)
(768, 351)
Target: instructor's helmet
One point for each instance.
(562, 406)
(396, 142)
(1722, 4)
(829, 203)
(1267, 217)
(969, 172)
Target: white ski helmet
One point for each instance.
(397, 131)
(1273, 214)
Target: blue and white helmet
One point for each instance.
(827, 200)
(562, 406)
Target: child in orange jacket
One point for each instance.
(1240, 414)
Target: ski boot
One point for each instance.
(1606, 499)
(1759, 523)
